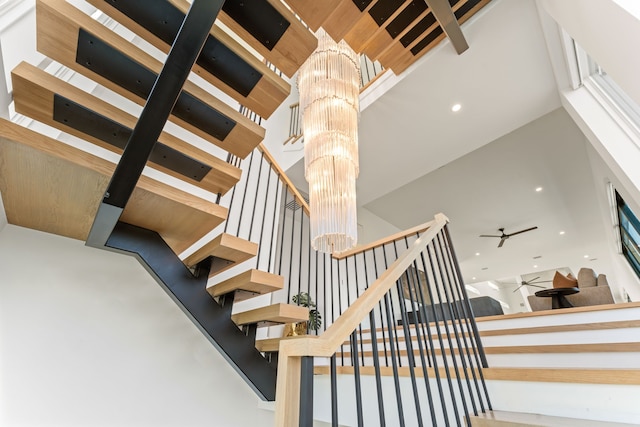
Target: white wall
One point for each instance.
(88, 338)
(371, 227)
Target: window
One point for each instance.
(629, 227)
(586, 72)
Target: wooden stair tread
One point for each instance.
(551, 375)
(272, 314)
(251, 282)
(264, 98)
(226, 247)
(50, 186)
(58, 28)
(515, 419)
(34, 91)
(271, 345)
(291, 50)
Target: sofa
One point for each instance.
(594, 290)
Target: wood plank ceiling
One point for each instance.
(394, 32)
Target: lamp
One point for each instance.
(329, 86)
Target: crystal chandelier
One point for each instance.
(329, 86)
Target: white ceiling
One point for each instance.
(510, 137)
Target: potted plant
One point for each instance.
(315, 318)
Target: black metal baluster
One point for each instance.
(376, 367)
(293, 224)
(384, 339)
(230, 209)
(355, 267)
(408, 341)
(456, 318)
(281, 234)
(412, 283)
(273, 226)
(300, 247)
(441, 341)
(478, 351)
(340, 307)
(306, 392)
(359, 328)
(324, 289)
(432, 349)
(264, 217)
(394, 365)
(374, 348)
(244, 196)
(334, 392)
(255, 200)
(317, 294)
(393, 310)
(446, 327)
(356, 376)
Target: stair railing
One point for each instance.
(266, 208)
(436, 340)
(420, 326)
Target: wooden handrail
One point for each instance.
(381, 242)
(274, 164)
(291, 351)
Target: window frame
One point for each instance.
(627, 225)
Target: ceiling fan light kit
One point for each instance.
(504, 236)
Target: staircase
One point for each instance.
(54, 187)
(118, 47)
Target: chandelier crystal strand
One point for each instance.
(329, 86)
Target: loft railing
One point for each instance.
(443, 359)
(369, 72)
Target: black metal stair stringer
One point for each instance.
(189, 292)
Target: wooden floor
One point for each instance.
(517, 419)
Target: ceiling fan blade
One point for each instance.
(489, 235)
(536, 286)
(541, 281)
(528, 282)
(502, 240)
(516, 289)
(522, 231)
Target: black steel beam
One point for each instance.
(165, 92)
(190, 294)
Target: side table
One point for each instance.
(557, 296)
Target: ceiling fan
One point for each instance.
(533, 282)
(503, 237)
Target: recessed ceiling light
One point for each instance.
(473, 278)
(535, 266)
(586, 256)
(562, 233)
(456, 107)
(477, 253)
(538, 189)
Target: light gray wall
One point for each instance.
(88, 338)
